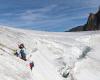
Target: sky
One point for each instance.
(46, 15)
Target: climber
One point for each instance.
(24, 55)
(30, 61)
(31, 65)
(22, 52)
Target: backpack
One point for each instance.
(23, 55)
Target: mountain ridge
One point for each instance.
(93, 23)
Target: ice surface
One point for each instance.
(56, 56)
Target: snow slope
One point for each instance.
(57, 56)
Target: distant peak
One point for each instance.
(98, 12)
(93, 23)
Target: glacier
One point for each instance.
(56, 55)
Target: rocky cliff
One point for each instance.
(93, 23)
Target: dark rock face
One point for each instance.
(93, 23)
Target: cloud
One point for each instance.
(30, 16)
(36, 15)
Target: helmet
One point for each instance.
(21, 46)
